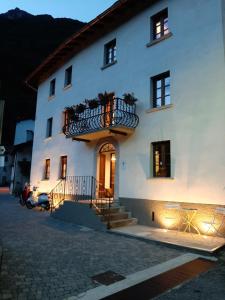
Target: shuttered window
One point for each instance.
(63, 168)
(47, 169)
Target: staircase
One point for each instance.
(116, 216)
(81, 200)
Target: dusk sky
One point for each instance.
(83, 10)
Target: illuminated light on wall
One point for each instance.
(207, 228)
(169, 222)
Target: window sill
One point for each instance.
(154, 42)
(51, 97)
(161, 178)
(67, 87)
(108, 65)
(151, 110)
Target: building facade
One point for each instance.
(21, 155)
(171, 56)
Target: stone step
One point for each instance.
(123, 222)
(115, 216)
(103, 210)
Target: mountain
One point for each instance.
(26, 40)
(15, 14)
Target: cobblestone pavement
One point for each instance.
(44, 258)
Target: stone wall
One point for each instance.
(156, 214)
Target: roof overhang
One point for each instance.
(117, 14)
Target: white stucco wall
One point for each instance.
(21, 131)
(194, 124)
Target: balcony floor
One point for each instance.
(188, 240)
(103, 133)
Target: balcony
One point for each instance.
(114, 118)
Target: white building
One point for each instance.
(22, 151)
(171, 55)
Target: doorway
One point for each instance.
(107, 167)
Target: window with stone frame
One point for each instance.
(160, 27)
(47, 169)
(63, 167)
(110, 52)
(161, 90)
(161, 159)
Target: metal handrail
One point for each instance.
(117, 113)
(82, 189)
(57, 193)
(104, 200)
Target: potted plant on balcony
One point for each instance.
(129, 98)
(92, 103)
(71, 113)
(103, 98)
(80, 108)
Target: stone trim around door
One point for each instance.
(98, 146)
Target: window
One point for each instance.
(161, 90)
(110, 52)
(160, 25)
(29, 135)
(63, 168)
(161, 159)
(68, 76)
(49, 127)
(52, 88)
(47, 169)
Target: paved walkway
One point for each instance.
(44, 258)
(184, 239)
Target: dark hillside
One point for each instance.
(25, 41)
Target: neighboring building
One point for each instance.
(22, 151)
(6, 166)
(171, 55)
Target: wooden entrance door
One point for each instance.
(102, 174)
(112, 172)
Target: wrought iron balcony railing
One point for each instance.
(116, 116)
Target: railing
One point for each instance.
(83, 189)
(114, 114)
(103, 203)
(80, 188)
(57, 194)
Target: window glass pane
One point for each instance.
(158, 93)
(167, 100)
(158, 29)
(110, 52)
(167, 81)
(167, 90)
(158, 83)
(68, 76)
(158, 102)
(156, 163)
